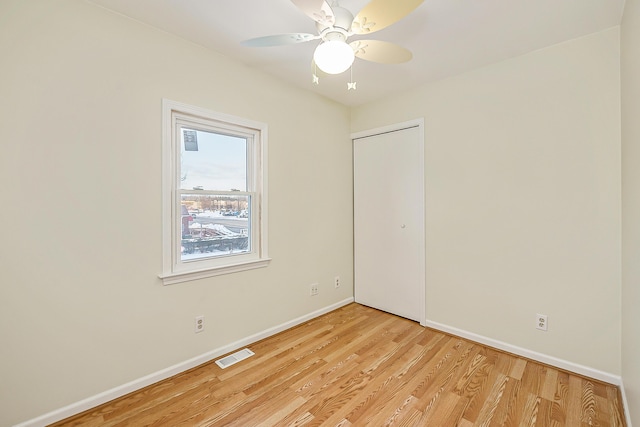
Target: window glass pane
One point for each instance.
(211, 161)
(214, 225)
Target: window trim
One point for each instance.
(173, 269)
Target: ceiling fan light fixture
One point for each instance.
(334, 56)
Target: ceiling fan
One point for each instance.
(336, 24)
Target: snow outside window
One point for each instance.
(214, 199)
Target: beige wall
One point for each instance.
(522, 165)
(630, 48)
(82, 309)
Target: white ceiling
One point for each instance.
(447, 37)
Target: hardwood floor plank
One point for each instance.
(549, 386)
(501, 416)
(447, 411)
(492, 401)
(467, 384)
(408, 377)
(434, 367)
(560, 398)
(545, 414)
(411, 419)
(615, 407)
(574, 401)
(465, 423)
(300, 421)
(529, 415)
(588, 407)
(511, 417)
(270, 412)
(518, 369)
(277, 414)
(528, 385)
(448, 374)
(481, 386)
(357, 366)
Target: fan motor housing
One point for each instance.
(343, 21)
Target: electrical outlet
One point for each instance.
(336, 281)
(199, 325)
(314, 289)
(541, 322)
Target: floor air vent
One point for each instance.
(236, 357)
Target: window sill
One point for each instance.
(173, 278)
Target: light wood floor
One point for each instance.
(357, 366)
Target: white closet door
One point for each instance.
(389, 237)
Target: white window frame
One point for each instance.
(174, 270)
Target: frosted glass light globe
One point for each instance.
(334, 56)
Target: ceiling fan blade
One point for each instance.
(379, 51)
(318, 10)
(279, 40)
(379, 14)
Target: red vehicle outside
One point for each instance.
(186, 221)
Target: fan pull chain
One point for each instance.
(351, 85)
(316, 79)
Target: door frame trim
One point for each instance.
(419, 123)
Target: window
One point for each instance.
(214, 198)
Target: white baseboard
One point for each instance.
(625, 404)
(114, 393)
(529, 354)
